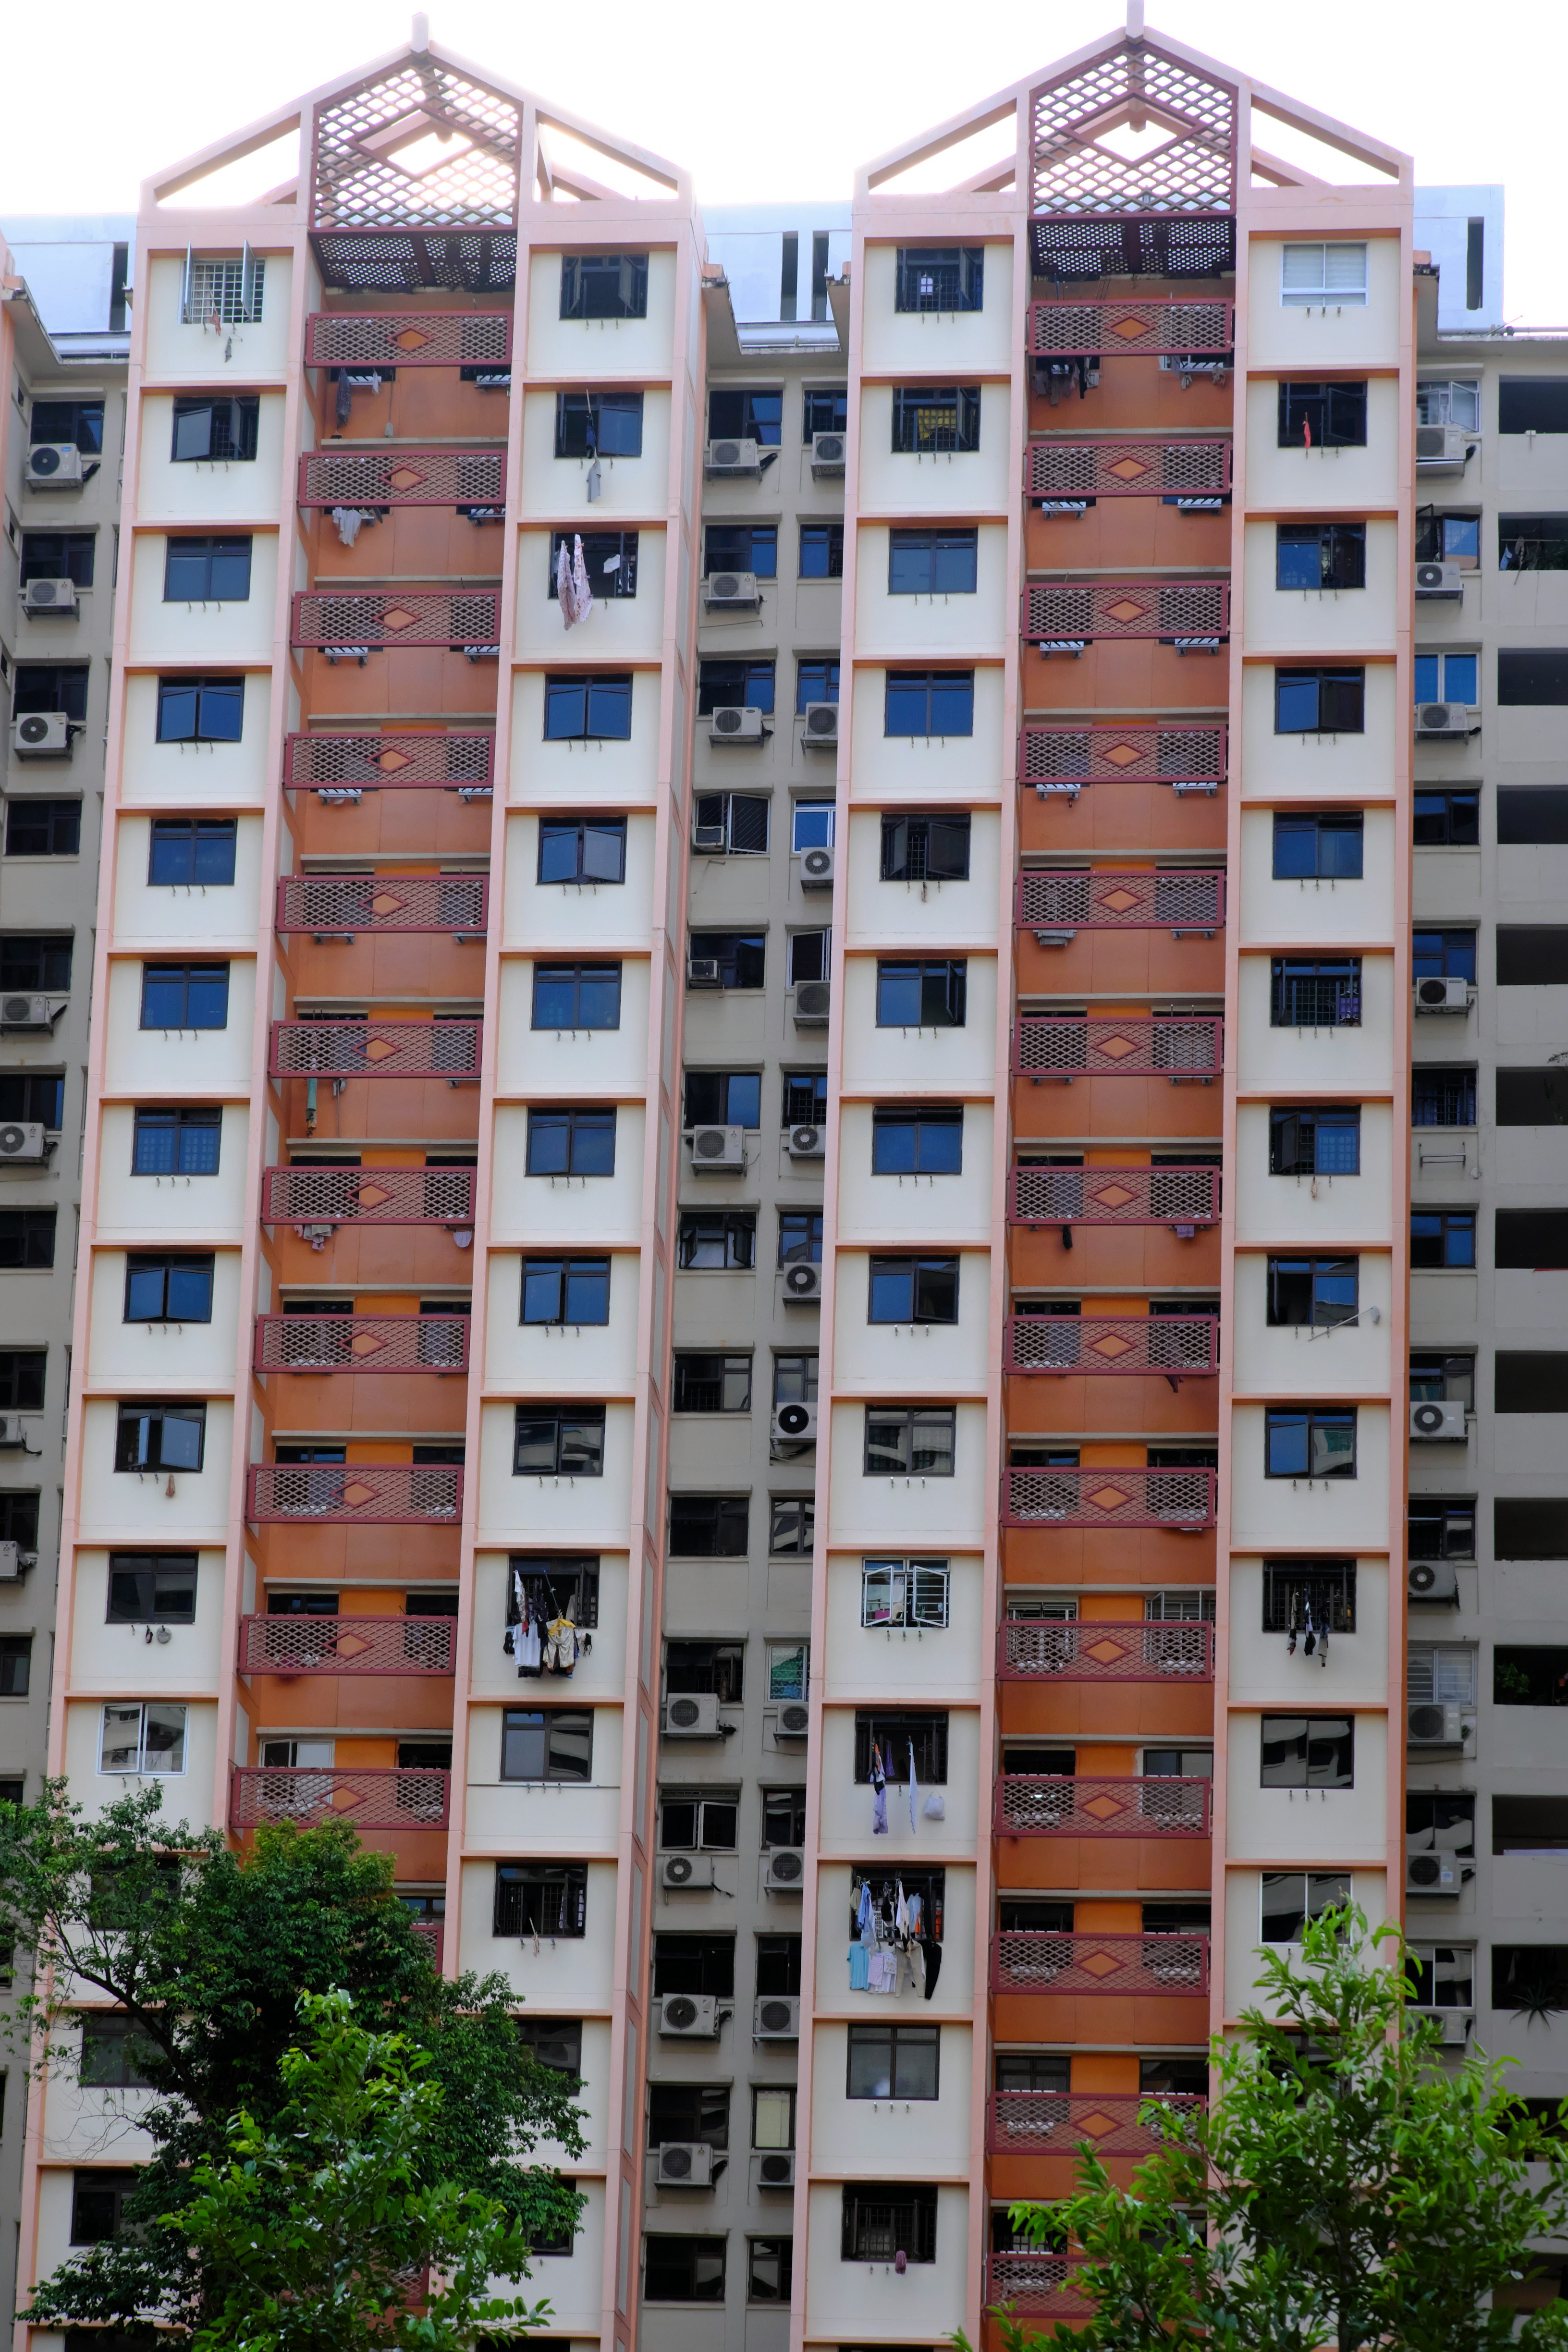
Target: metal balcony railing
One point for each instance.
(1103, 1650)
(361, 1343)
(342, 1493)
(1035, 1960)
(348, 622)
(1029, 2123)
(1151, 327)
(1120, 899)
(432, 1932)
(1066, 611)
(393, 1799)
(1029, 2279)
(1113, 1196)
(396, 476)
(1058, 759)
(1174, 1345)
(349, 763)
(378, 339)
(383, 902)
(1039, 1804)
(347, 1645)
(376, 1049)
(1068, 1045)
(1114, 467)
(1180, 1498)
(367, 1196)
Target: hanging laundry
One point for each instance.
(344, 401)
(561, 1644)
(878, 1794)
(932, 1953)
(583, 595)
(348, 521)
(1323, 1645)
(914, 1791)
(1310, 1643)
(859, 1969)
(863, 1909)
(565, 593)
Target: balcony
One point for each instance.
(1069, 1046)
(1100, 1649)
(1120, 899)
(1152, 467)
(1179, 1498)
(1152, 328)
(368, 1493)
(1065, 613)
(1113, 1196)
(352, 764)
(1030, 2279)
(1173, 1346)
(347, 1645)
(1064, 759)
(346, 904)
(350, 624)
(374, 1049)
(432, 1934)
(393, 476)
(1039, 1804)
(1034, 1959)
(307, 1195)
(378, 339)
(1057, 2123)
(361, 1343)
(310, 1794)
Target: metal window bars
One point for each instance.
(1172, 1345)
(1119, 467)
(1096, 328)
(1315, 1001)
(383, 902)
(1181, 1498)
(305, 1194)
(374, 1049)
(1100, 1649)
(1064, 1045)
(464, 621)
(1058, 759)
(218, 291)
(1038, 1804)
(1077, 611)
(390, 1799)
(378, 339)
(1121, 897)
(398, 477)
(1038, 1960)
(346, 763)
(371, 1494)
(1113, 1196)
(361, 1343)
(1060, 2122)
(347, 1645)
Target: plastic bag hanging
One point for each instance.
(582, 594)
(565, 589)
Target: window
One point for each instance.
(576, 997)
(932, 563)
(552, 2041)
(1444, 1237)
(882, 2219)
(598, 424)
(39, 828)
(559, 1440)
(698, 1964)
(22, 1373)
(1446, 1098)
(571, 1143)
(1308, 1751)
(184, 996)
(1451, 539)
(904, 1592)
(16, 1664)
(783, 1823)
(26, 1240)
(925, 848)
(1442, 1527)
(689, 2111)
(40, 960)
(734, 686)
(794, 1380)
(1320, 555)
(1532, 1238)
(717, 1240)
(215, 428)
(698, 1824)
(80, 422)
(723, 1099)
(913, 1290)
(58, 555)
(1319, 701)
(925, 1140)
(1314, 991)
(609, 560)
(1530, 1380)
(143, 1735)
(893, 2062)
(115, 2052)
(930, 420)
(909, 1441)
(588, 710)
(824, 409)
(33, 1094)
(1443, 401)
(1308, 1441)
(192, 852)
(1529, 1825)
(805, 1099)
(1532, 404)
(812, 824)
(182, 1142)
(1291, 1897)
(553, 1743)
(97, 2201)
(735, 823)
(582, 849)
(1442, 1976)
(561, 1290)
(151, 1588)
(810, 956)
(1319, 1291)
(1329, 274)
(1303, 1594)
(778, 1965)
(201, 710)
(705, 1382)
(822, 550)
(683, 2269)
(1318, 847)
(788, 1670)
(603, 285)
(540, 1898)
(58, 687)
(709, 1526)
(939, 277)
(816, 681)
(1456, 677)
(1447, 954)
(1322, 415)
(700, 1669)
(924, 995)
(930, 702)
(224, 293)
(161, 1289)
(800, 1237)
(738, 415)
(791, 1520)
(1452, 819)
(770, 2269)
(1440, 1821)
(159, 1437)
(209, 570)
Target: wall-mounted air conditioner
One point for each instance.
(693, 2016)
(719, 1150)
(691, 1715)
(1438, 1423)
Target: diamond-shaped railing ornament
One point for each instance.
(371, 1194)
(1130, 330)
(1123, 755)
(1096, 2124)
(1106, 1499)
(1113, 1196)
(1105, 1653)
(387, 902)
(406, 478)
(380, 1049)
(1118, 1046)
(1125, 610)
(1119, 901)
(1129, 469)
(390, 761)
(366, 1343)
(396, 618)
(1113, 1344)
(412, 339)
(351, 1645)
(1102, 1964)
(356, 1492)
(1104, 1809)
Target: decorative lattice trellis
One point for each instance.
(1118, 468)
(1065, 758)
(1065, 610)
(420, 146)
(383, 902)
(310, 1344)
(1036, 1959)
(376, 1049)
(309, 1195)
(1120, 899)
(1033, 2280)
(1143, 325)
(403, 477)
(373, 1494)
(348, 762)
(1100, 1649)
(1059, 2121)
(347, 1645)
(1108, 1499)
(1171, 1345)
(1041, 1805)
(378, 339)
(452, 261)
(1113, 1196)
(344, 620)
(1184, 125)
(1068, 1046)
(371, 1800)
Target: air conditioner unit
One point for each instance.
(23, 1139)
(1438, 1423)
(693, 1715)
(813, 1001)
(1434, 579)
(1431, 1874)
(685, 2164)
(49, 597)
(785, 1871)
(41, 734)
(1447, 994)
(773, 2168)
(694, 2015)
(732, 592)
(26, 1013)
(13, 1430)
(1434, 1724)
(54, 466)
(13, 1560)
(736, 724)
(709, 840)
(1432, 1580)
(807, 1142)
(721, 1150)
(821, 729)
(816, 869)
(733, 457)
(1445, 718)
(795, 1424)
(686, 1871)
(1442, 448)
(1455, 2025)
(702, 972)
(776, 2017)
(803, 1284)
(793, 1720)
(826, 454)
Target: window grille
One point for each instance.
(225, 293)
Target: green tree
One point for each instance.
(1344, 2188)
(208, 1951)
(322, 2230)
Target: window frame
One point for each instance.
(910, 1421)
(1317, 1423)
(1299, 290)
(584, 275)
(919, 1592)
(212, 550)
(147, 1708)
(578, 1423)
(155, 1413)
(1338, 695)
(913, 404)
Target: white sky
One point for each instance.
(769, 103)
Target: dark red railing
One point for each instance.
(1058, 759)
(1048, 1804)
(393, 1799)
(367, 1196)
(1101, 1650)
(342, 1493)
(1120, 899)
(1180, 1498)
(361, 1343)
(347, 1645)
(1034, 1959)
(1156, 327)
(1113, 1196)
(1114, 467)
(383, 902)
(1068, 1045)
(376, 1049)
(1070, 612)
(378, 339)
(349, 622)
(432, 1932)
(1030, 2123)
(1029, 2280)
(348, 764)
(398, 477)
(1174, 1345)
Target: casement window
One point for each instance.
(694, 1964)
(909, 1441)
(1449, 400)
(813, 823)
(115, 2052)
(1309, 1442)
(1308, 1751)
(169, 1287)
(210, 570)
(26, 1240)
(1183, 1606)
(182, 1140)
(1440, 1821)
(1456, 538)
(810, 956)
(1451, 955)
(795, 1378)
(37, 959)
(22, 1374)
(1318, 846)
(552, 1743)
(576, 997)
(884, 2219)
(929, 994)
(932, 420)
(723, 1099)
(33, 1095)
(1452, 819)
(1322, 415)
(904, 1592)
(1443, 1526)
(1319, 701)
(160, 1436)
(1456, 677)
(1332, 276)
(588, 710)
(215, 428)
(783, 1823)
(603, 285)
(770, 2269)
(789, 1670)
(552, 2041)
(19, 1517)
(708, 1823)
(540, 1898)
(825, 408)
(735, 823)
(558, 1442)
(598, 424)
(1445, 1673)
(707, 1381)
(184, 996)
(43, 828)
(58, 555)
(1291, 1897)
(582, 849)
(689, 2111)
(791, 1520)
(192, 852)
(815, 681)
(734, 686)
(151, 1588)
(1317, 555)
(923, 1141)
(609, 560)
(800, 1236)
(709, 1526)
(741, 547)
(571, 1143)
(683, 2269)
(1314, 991)
(1438, 1378)
(78, 422)
(712, 1241)
(778, 1966)
(1441, 1096)
(805, 1099)
(143, 1735)
(701, 1669)
(16, 1664)
(737, 414)
(98, 2201)
(925, 848)
(932, 563)
(913, 1290)
(223, 292)
(1317, 1291)
(566, 1290)
(893, 2062)
(1444, 1238)
(50, 688)
(201, 710)
(822, 550)
(1295, 1589)
(927, 702)
(1443, 1976)
(939, 277)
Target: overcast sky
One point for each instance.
(770, 102)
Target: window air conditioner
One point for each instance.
(54, 466)
(685, 2164)
(49, 597)
(1442, 448)
(702, 972)
(1445, 718)
(1443, 995)
(821, 729)
(826, 454)
(785, 1870)
(719, 1150)
(13, 1430)
(733, 457)
(816, 869)
(1431, 1874)
(41, 735)
(1438, 1423)
(23, 1139)
(1434, 1724)
(686, 1871)
(693, 1715)
(776, 2017)
(1433, 1579)
(14, 1561)
(773, 2168)
(736, 724)
(1434, 579)
(732, 592)
(803, 1284)
(26, 1013)
(692, 2014)
(794, 1425)
(708, 840)
(807, 1142)
(1456, 2025)
(812, 999)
